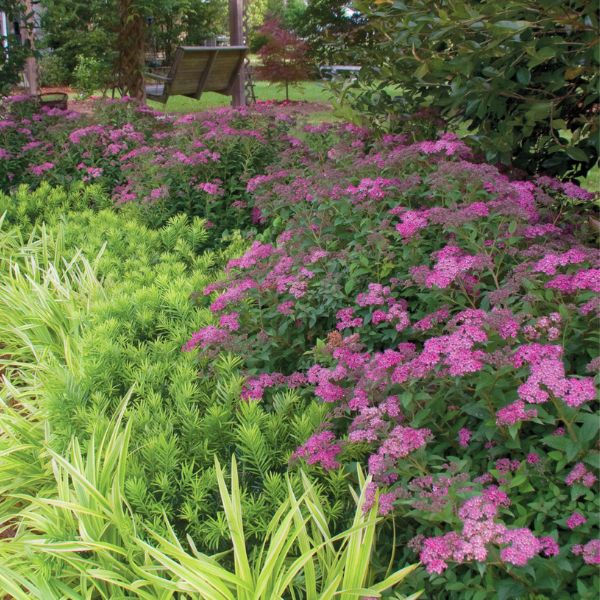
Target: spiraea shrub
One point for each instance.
(164, 165)
(446, 315)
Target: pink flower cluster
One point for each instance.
(451, 264)
(579, 473)
(320, 449)
(400, 442)
(575, 520)
(209, 335)
(480, 530)
(40, 169)
(371, 189)
(590, 552)
(547, 376)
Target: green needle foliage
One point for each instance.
(67, 529)
(95, 307)
(81, 541)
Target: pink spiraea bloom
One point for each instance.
(515, 413)
(575, 520)
(346, 319)
(590, 552)
(209, 335)
(285, 308)
(412, 221)
(522, 546)
(547, 376)
(400, 442)
(320, 449)
(41, 169)
(550, 263)
(448, 144)
(586, 279)
(450, 264)
(159, 192)
(211, 188)
(549, 546)
(480, 530)
(579, 473)
(230, 321)
(464, 436)
(233, 294)
(257, 252)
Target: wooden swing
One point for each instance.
(198, 69)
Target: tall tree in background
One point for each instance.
(112, 31)
(75, 28)
(13, 60)
(284, 56)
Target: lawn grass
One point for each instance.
(308, 91)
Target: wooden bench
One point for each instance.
(198, 69)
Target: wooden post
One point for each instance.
(236, 36)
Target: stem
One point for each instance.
(561, 414)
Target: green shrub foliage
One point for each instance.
(522, 78)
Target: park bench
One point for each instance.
(195, 70)
(335, 71)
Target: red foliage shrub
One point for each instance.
(284, 56)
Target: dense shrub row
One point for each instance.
(194, 163)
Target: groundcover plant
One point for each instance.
(390, 303)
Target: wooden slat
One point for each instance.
(205, 75)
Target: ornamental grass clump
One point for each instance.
(447, 316)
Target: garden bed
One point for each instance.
(310, 298)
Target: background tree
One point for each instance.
(12, 62)
(129, 69)
(78, 28)
(103, 31)
(185, 21)
(284, 56)
(334, 30)
(522, 76)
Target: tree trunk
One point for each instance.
(130, 44)
(28, 37)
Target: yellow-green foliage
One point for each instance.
(110, 447)
(127, 336)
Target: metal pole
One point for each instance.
(236, 36)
